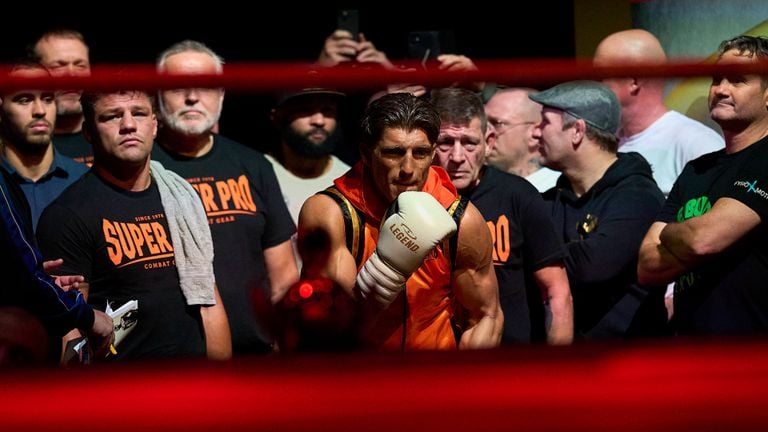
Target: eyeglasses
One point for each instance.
(502, 126)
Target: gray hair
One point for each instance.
(189, 46)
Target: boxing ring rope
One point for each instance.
(681, 384)
(271, 77)
(588, 387)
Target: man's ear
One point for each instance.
(490, 140)
(579, 129)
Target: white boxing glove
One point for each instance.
(416, 225)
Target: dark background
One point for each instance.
(134, 32)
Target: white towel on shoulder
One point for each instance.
(190, 233)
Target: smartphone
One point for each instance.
(424, 45)
(428, 45)
(349, 20)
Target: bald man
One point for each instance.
(512, 148)
(667, 139)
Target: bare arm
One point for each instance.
(474, 283)
(655, 264)
(558, 303)
(322, 243)
(218, 339)
(281, 268)
(701, 237)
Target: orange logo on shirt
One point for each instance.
(500, 236)
(223, 199)
(133, 242)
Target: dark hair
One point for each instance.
(89, 99)
(398, 111)
(25, 62)
(459, 106)
(606, 140)
(59, 32)
(20, 64)
(744, 44)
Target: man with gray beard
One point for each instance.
(250, 225)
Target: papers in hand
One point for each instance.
(124, 319)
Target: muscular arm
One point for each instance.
(322, 243)
(474, 283)
(655, 264)
(218, 339)
(696, 239)
(558, 303)
(281, 268)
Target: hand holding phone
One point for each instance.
(424, 45)
(348, 19)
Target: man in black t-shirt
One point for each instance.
(117, 226)
(711, 236)
(527, 254)
(250, 224)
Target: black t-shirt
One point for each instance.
(524, 240)
(247, 215)
(728, 294)
(119, 240)
(75, 146)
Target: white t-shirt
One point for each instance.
(296, 190)
(543, 179)
(669, 143)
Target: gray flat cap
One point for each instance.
(590, 101)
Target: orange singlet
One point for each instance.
(421, 319)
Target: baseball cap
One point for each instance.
(293, 96)
(590, 101)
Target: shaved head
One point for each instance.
(641, 98)
(629, 46)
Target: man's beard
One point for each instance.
(68, 105)
(24, 143)
(174, 121)
(303, 146)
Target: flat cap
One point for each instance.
(590, 101)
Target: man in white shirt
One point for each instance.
(303, 163)
(667, 139)
(512, 146)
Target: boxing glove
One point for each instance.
(413, 225)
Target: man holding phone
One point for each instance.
(347, 44)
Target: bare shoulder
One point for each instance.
(320, 211)
(322, 242)
(474, 246)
